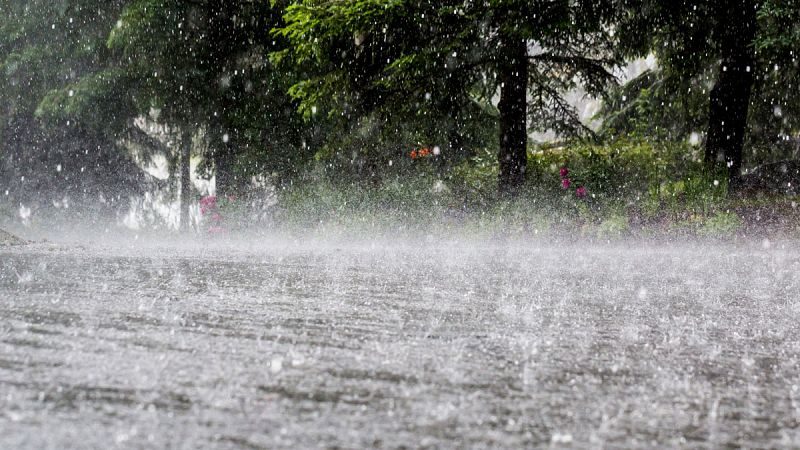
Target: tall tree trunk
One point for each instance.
(186, 180)
(223, 166)
(454, 103)
(730, 97)
(513, 106)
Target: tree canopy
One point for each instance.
(273, 88)
(46, 46)
(728, 69)
(451, 62)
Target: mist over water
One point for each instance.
(385, 341)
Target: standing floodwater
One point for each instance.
(455, 344)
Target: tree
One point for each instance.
(735, 46)
(45, 46)
(655, 106)
(393, 57)
(203, 64)
(730, 97)
(201, 69)
(775, 115)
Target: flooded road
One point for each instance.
(432, 345)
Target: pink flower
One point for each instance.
(565, 183)
(208, 201)
(580, 192)
(216, 217)
(564, 172)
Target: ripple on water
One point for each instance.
(509, 346)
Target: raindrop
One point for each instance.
(276, 365)
(24, 212)
(559, 438)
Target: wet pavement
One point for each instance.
(428, 345)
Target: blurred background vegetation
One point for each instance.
(314, 112)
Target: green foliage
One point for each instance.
(200, 65)
(431, 67)
(633, 187)
(45, 47)
(620, 169)
(720, 225)
(327, 99)
(687, 38)
(613, 226)
(655, 107)
(474, 180)
(101, 101)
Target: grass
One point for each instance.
(633, 188)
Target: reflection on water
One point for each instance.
(511, 345)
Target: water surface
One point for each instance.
(377, 344)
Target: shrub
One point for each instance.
(720, 224)
(611, 188)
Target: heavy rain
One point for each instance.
(399, 224)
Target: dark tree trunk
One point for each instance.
(730, 97)
(186, 180)
(455, 151)
(223, 167)
(513, 106)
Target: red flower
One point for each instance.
(580, 192)
(564, 172)
(414, 154)
(565, 183)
